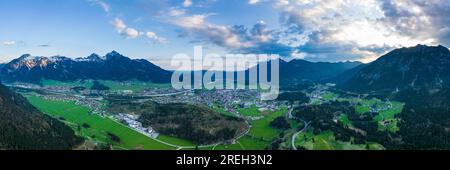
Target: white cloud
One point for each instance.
(236, 38)
(253, 2)
(9, 43)
(426, 20)
(298, 55)
(119, 25)
(282, 2)
(131, 33)
(102, 4)
(187, 3)
(155, 38)
(122, 29)
(195, 25)
(190, 22)
(151, 35)
(176, 12)
(363, 29)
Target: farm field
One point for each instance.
(250, 143)
(343, 118)
(252, 111)
(235, 146)
(261, 128)
(221, 110)
(135, 86)
(361, 109)
(86, 84)
(386, 119)
(245, 143)
(175, 141)
(326, 141)
(328, 96)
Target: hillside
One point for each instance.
(195, 123)
(24, 127)
(426, 119)
(347, 74)
(419, 67)
(297, 71)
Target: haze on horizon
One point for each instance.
(315, 30)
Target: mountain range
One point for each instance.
(420, 67)
(112, 66)
(115, 66)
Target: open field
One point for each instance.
(86, 84)
(261, 128)
(362, 109)
(386, 119)
(221, 110)
(245, 143)
(327, 141)
(253, 144)
(135, 86)
(235, 146)
(343, 118)
(252, 111)
(328, 96)
(175, 141)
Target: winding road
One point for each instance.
(299, 132)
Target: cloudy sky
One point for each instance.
(315, 30)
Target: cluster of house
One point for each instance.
(131, 121)
(94, 104)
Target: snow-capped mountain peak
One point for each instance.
(91, 58)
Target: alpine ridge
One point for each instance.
(113, 66)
